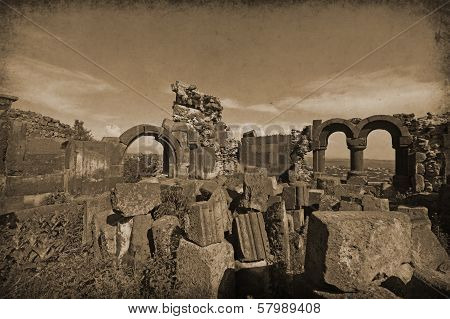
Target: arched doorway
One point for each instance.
(171, 146)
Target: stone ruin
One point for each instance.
(244, 218)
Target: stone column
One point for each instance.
(319, 160)
(357, 174)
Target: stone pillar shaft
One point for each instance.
(319, 160)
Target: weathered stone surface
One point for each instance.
(277, 228)
(289, 197)
(426, 250)
(205, 272)
(326, 182)
(204, 225)
(255, 192)
(140, 245)
(298, 217)
(131, 199)
(347, 191)
(124, 228)
(357, 180)
(251, 238)
(349, 206)
(348, 250)
(329, 202)
(273, 188)
(302, 194)
(164, 231)
(315, 196)
(372, 203)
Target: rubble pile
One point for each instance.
(39, 125)
(428, 144)
(204, 113)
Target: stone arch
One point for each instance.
(332, 126)
(399, 133)
(321, 133)
(171, 145)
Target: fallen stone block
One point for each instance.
(205, 272)
(124, 228)
(289, 197)
(349, 206)
(372, 203)
(328, 203)
(427, 252)
(165, 234)
(298, 217)
(251, 237)
(273, 188)
(349, 250)
(277, 228)
(204, 225)
(315, 196)
(327, 182)
(357, 180)
(140, 245)
(302, 194)
(132, 199)
(255, 191)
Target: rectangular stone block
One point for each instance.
(349, 206)
(315, 196)
(302, 194)
(416, 214)
(132, 199)
(251, 237)
(17, 185)
(349, 250)
(289, 196)
(372, 203)
(205, 224)
(325, 182)
(298, 217)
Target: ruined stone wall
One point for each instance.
(428, 153)
(39, 161)
(204, 113)
(38, 125)
(271, 152)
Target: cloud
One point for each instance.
(386, 91)
(113, 130)
(54, 87)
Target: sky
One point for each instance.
(113, 68)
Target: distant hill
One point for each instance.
(345, 163)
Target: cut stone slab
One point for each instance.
(205, 272)
(298, 217)
(348, 250)
(349, 206)
(289, 197)
(124, 228)
(204, 225)
(277, 227)
(326, 182)
(252, 243)
(427, 251)
(255, 191)
(164, 231)
(132, 199)
(315, 196)
(139, 245)
(329, 202)
(302, 194)
(372, 203)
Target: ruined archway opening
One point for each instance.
(145, 158)
(379, 157)
(337, 155)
